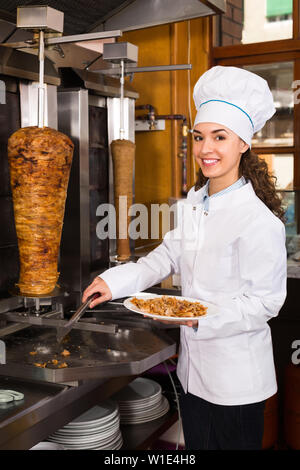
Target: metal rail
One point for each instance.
(55, 323)
(32, 43)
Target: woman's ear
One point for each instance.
(243, 146)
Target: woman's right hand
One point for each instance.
(100, 286)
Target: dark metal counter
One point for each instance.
(99, 364)
(93, 355)
(47, 407)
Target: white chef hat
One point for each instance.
(234, 97)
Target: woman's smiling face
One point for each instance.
(218, 151)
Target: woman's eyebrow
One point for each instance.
(213, 132)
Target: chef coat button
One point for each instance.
(205, 213)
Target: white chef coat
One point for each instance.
(234, 257)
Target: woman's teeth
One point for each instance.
(210, 162)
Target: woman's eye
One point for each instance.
(199, 138)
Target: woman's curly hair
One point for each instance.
(255, 169)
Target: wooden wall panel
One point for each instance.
(190, 44)
(153, 149)
(158, 167)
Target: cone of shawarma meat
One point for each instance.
(123, 154)
(40, 161)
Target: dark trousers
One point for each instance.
(207, 426)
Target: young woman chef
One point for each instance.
(229, 247)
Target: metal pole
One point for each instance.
(122, 81)
(41, 110)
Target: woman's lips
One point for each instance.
(209, 161)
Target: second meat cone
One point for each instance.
(40, 161)
(123, 154)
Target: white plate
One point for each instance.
(16, 395)
(92, 425)
(6, 398)
(142, 404)
(164, 403)
(211, 308)
(98, 428)
(101, 443)
(98, 414)
(143, 410)
(47, 446)
(94, 422)
(138, 401)
(84, 442)
(114, 445)
(93, 436)
(98, 432)
(139, 419)
(139, 390)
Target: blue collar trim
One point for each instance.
(238, 184)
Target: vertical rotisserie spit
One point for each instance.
(123, 154)
(40, 161)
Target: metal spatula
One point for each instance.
(63, 331)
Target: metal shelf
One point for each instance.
(141, 436)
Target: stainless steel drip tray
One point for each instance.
(34, 393)
(92, 354)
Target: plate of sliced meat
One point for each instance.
(170, 307)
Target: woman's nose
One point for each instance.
(206, 146)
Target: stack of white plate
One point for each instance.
(96, 429)
(141, 401)
(47, 446)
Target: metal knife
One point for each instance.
(63, 331)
